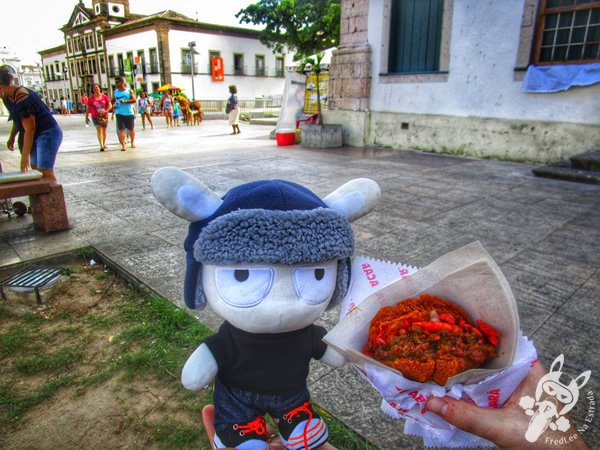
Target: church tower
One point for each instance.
(111, 8)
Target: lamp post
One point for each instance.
(193, 52)
(65, 73)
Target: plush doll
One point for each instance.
(269, 258)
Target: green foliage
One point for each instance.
(305, 26)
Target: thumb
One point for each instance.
(483, 422)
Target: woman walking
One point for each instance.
(145, 108)
(167, 107)
(233, 110)
(39, 134)
(99, 106)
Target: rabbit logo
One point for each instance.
(559, 399)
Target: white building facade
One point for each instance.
(107, 40)
(468, 98)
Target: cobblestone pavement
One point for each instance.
(544, 234)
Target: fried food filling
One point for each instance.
(429, 339)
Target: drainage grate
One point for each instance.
(32, 277)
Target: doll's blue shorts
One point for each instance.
(237, 406)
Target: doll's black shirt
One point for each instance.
(266, 363)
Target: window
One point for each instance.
(186, 60)
(279, 66)
(112, 70)
(238, 64)
(102, 66)
(415, 36)
(99, 38)
(212, 54)
(120, 64)
(568, 32)
(259, 63)
(153, 61)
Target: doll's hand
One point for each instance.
(199, 370)
(333, 358)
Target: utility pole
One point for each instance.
(193, 52)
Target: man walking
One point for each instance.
(124, 100)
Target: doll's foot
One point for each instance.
(250, 436)
(302, 428)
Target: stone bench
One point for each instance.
(47, 202)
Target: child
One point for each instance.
(176, 113)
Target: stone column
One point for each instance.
(350, 68)
(164, 55)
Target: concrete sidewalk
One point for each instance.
(544, 234)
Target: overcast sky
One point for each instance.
(45, 17)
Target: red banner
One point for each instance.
(218, 74)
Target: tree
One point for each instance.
(306, 26)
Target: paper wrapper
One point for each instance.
(469, 278)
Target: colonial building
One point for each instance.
(28, 75)
(456, 76)
(167, 47)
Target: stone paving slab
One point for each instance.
(544, 234)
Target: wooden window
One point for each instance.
(259, 65)
(415, 36)
(238, 64)
(186, 60)
(568, 32)
(212, 54)
(279, 66)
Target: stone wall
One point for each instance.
(515, 140)
(350, 68)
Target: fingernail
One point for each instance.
(438, 406)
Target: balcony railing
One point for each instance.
(260, 72)
(152, 68)
(187, 68)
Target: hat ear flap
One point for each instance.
(193, 290)
(342, 283)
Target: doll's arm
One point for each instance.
(199, 370)
(333, 358)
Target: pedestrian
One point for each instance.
(39, 135)
(233, 109)
(176, 112)
(145, 108)
(167, 108)
(69, 105)
(124, 98)
(63, 106)
(84, 101)
(98, 104)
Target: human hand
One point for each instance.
(24, 163)
(208, 418)
(506, 427)
(11, 144)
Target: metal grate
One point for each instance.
(32, 277)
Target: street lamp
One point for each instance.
(65, 73)
(193, 52)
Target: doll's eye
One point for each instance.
(314, 285)
(243, 287)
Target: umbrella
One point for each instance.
(169, 87)
(155, 95)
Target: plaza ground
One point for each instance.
(544, 234)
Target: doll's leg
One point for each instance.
(302, 428)
(238, 423)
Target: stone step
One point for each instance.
(587, 161)
(564, 172)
